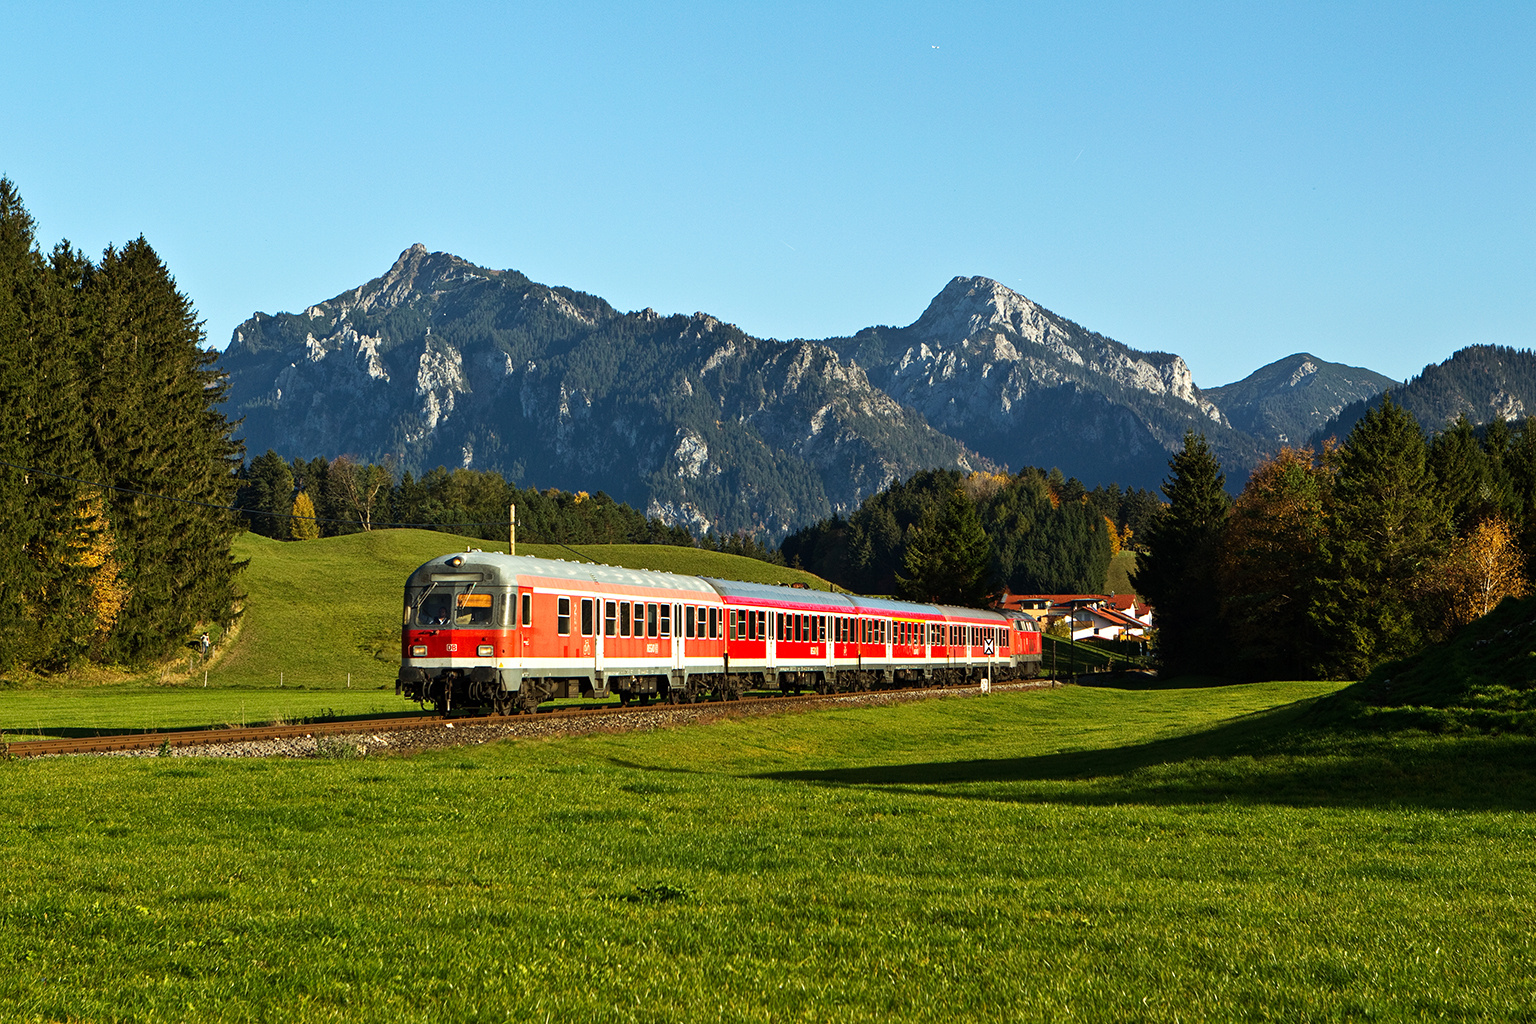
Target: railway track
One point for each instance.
(389, 724)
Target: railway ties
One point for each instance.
(129, 742)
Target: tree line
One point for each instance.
(1337, 559)
(946, 536)
(107, 397)
(303, 498)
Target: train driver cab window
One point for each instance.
(610, 618)
(563, 616)
(473, 609)
(587, 622)
(435, 609)
(527, 610)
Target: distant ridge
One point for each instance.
(442, 362)
(1292, 398)
(1481, 382)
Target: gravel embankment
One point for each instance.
(470, 731)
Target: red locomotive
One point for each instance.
(505, 633)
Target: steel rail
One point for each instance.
(209, 735)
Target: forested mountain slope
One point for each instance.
(1480, 382)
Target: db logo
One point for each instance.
(452, 648)
(652, 648)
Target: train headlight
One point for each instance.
(485, 651)
(418, 650)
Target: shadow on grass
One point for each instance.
(1277, 757)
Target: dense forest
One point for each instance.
(947, 536)
(1335, 560)
(106, 393)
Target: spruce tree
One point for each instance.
(151, 414)
(1178, 573)
(1386, 528)
(947, 556)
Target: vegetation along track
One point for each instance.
(420, 732)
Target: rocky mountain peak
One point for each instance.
(969, 306)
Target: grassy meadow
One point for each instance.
(1085, 853)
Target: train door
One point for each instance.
(678, 641)
(591, 639)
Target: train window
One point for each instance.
(762, 625)
(714, 623)
(610, 618)
(651, 623)
(505, 607)
(527, 610)
(752, 625)
(639, 619)
(563, 616)
(821, 628)
(666, 620)
(434, 610)
(587, 622)
(779, 626)
(474, 609)
(624, 619)
(688, 622)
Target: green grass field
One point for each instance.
(320, 635)
(1087, 853)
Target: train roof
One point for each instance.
(742, 591)
(953, 611)
(511, 566)
(891, 606)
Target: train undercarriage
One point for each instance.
(481, 689)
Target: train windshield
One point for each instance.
(454, 606)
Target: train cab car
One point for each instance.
(487, 630)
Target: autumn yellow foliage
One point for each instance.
(1482, 569)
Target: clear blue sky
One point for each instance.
(1231, 182)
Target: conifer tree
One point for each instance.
(947, 555)
(1178, 573)
(151, 416)
(1386, 529)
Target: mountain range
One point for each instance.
(442, 362)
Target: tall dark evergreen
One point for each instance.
(948, 555)
(1386, 527)
(1178, 572)
(150, 413)
(266, 492)
(21, 276)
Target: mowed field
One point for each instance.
(1080, 853)
(320, 635)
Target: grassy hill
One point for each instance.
(323, 608)
(1483, 680)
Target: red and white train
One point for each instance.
(505, 633)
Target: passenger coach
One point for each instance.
(503, 632)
